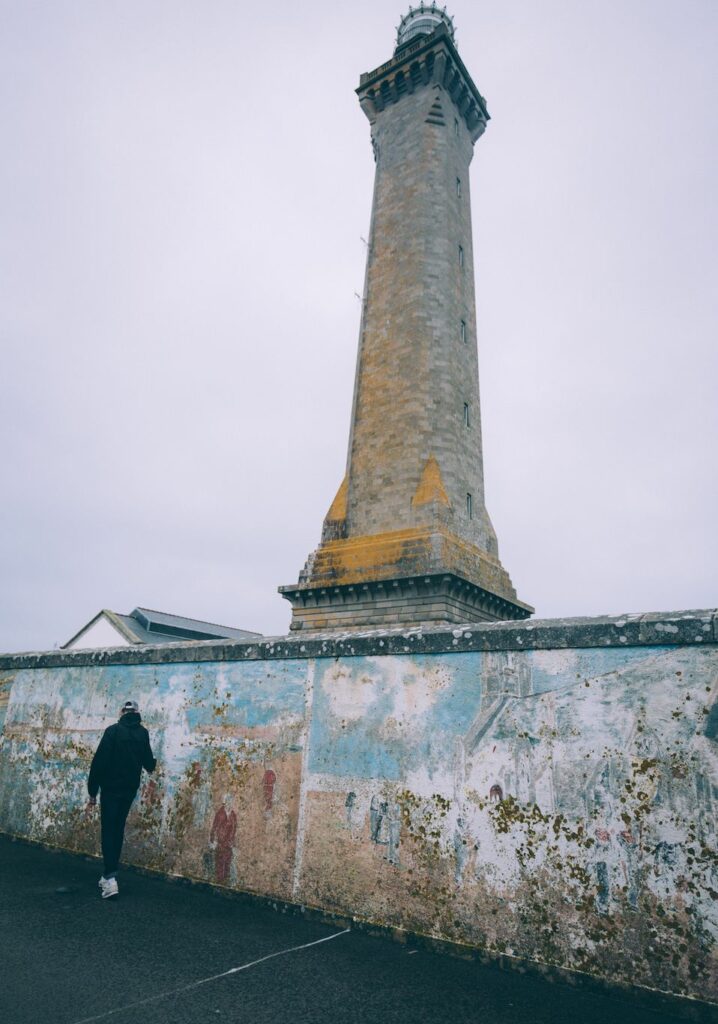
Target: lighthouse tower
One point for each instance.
(407, 539)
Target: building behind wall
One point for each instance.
(147, 626)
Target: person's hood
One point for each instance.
(130, 719)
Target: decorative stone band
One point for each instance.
(653, 629)
(431, 60)
(440, 598)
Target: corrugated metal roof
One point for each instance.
(156, 624)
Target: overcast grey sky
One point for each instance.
(183, 191)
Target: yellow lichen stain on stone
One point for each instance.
(431, 486)
(413, 551)
(359, 554)
(338, 508)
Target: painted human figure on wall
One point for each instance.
(603, 886)
(525, 772)
(349, 803)
(269, 781)
(385, 826)
(601, 809)
(221, 839)
(393, 827)
(629, 865)
(617, 855)
(200, 794)
(666, 860)
(377, 810)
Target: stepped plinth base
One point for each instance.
(407, 577)
(411, 600)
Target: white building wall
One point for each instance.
(101, 633)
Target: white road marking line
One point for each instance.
(204, 981)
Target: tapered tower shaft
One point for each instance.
(417, 392)
(408, 538)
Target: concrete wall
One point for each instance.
(547, 790)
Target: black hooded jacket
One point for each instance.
(123, 752)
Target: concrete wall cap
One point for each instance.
(654, 629)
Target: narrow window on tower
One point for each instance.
(456, 126)
(467, 416)
(458, 187)
(461, 255)
(463, 331)
(469, 507)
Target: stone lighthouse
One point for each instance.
(408, 539)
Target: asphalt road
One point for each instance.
(68, 956)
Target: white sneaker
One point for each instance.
(108, 887)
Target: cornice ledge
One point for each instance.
(438, 62)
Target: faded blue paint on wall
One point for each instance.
(589, 663)
(250, 695)
(385, 724)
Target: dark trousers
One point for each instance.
(114, 808)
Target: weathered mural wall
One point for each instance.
(554, 803)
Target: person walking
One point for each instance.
(123, 752)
